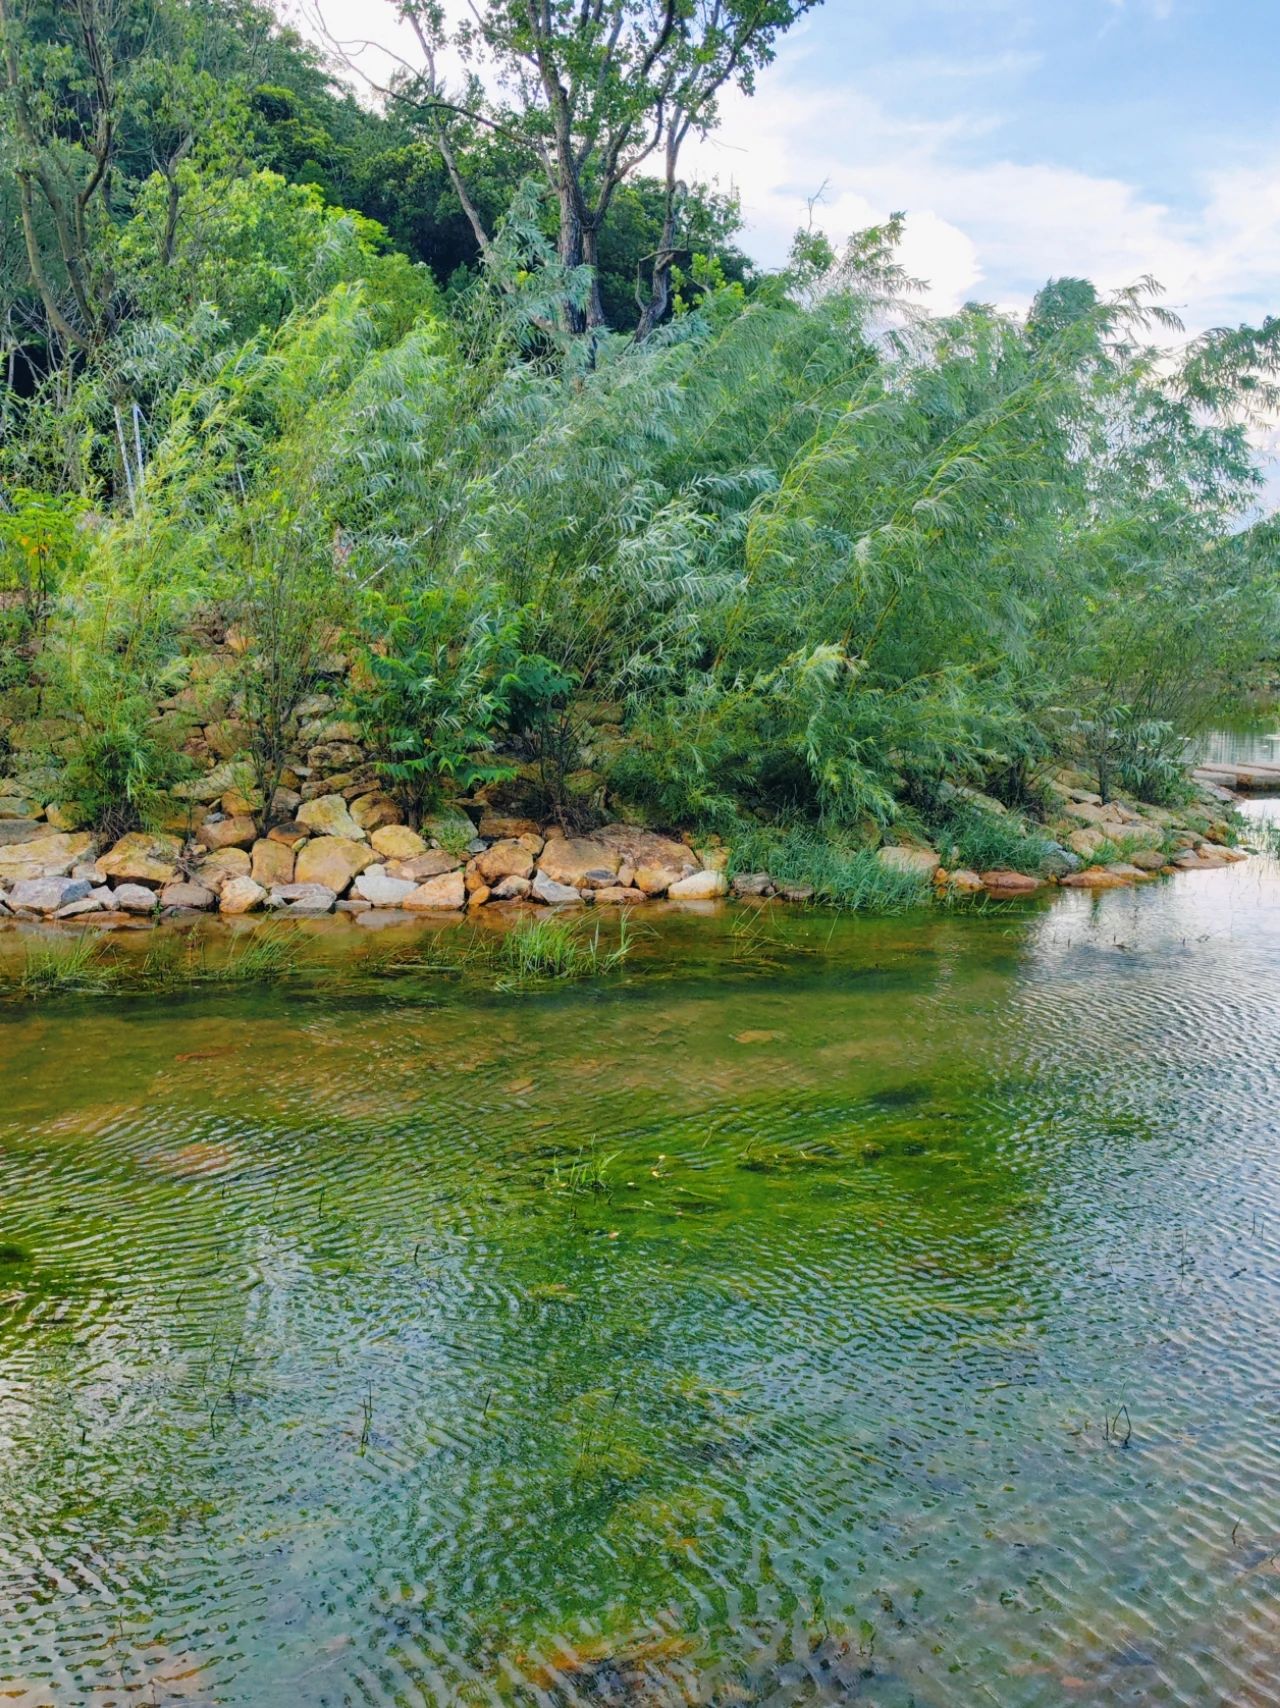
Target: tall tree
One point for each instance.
(593, 89)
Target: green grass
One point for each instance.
(985, 841)
(840, 875)
(549, 949)
(88, 965)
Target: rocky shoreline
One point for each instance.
(356, 856)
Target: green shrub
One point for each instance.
(975, 837)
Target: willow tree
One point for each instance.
(593, 90)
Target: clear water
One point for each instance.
(885, 1315)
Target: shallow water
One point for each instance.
(885, 1314)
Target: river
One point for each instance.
(834, 1311)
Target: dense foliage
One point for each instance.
(805, 557)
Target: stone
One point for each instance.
(221, 867)
(1095, 878)
(332, 861)
(290, 833)
(354, 904)
(447, 892)
(450, 827)
(14, 830)
(964, 881)
(65, 815)
(241, 895)
(376, 887)
(328, 815)
(227, 737)
(478, 897)
(303, 898)
(230, 774)
(552, 894)
(1010, 883)
(284, 804)
(618, 895)
(699, 886)
(657, 880)
(914, 862)
(511, 889)
(271, 863)
(567, 860)
(752, 884)
(500, 827)
(50, 856)
(46, 895)
(507, 859)
(1123, 869)
(638, 848)
(79, 909)
(134, 898)
(237, 832)
(1191, 860)
(796, 892)
(187, 895)
(1148, 860)
(1058, 861)
(533, 842)
(431, 864)
(396, 841)
(329, 756)
(18, 806)
(375, 812)
(142, 857)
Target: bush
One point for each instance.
(975, 837)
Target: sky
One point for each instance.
(1023, 139)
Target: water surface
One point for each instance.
(884, 1314)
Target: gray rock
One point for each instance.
(354, 904)
(77, 909)
(14, 830)
(133, 898)
(303, 898)
(380, 890)
(552, 894)
(752, 884)
(1059, 861)
(46, 895)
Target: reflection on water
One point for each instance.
(895, 1324)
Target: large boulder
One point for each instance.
(699, 886)
(46, 895)
(576, 861)
(332, 861)
(638, 847)
(447, 893)
(395, 841)
(271, 863)
(50, 856)
(375, 887)
(328, 815)
(241, 895)
(506, 859)
(142, 857)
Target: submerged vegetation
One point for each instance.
(791, 562)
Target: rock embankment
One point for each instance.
(348, 856)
